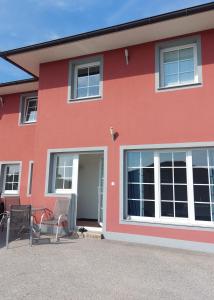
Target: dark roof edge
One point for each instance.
(133, 24)
(19, 67)
(17, 82)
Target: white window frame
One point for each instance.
(26, 106)
(74, 174)
(190, 221)
(195, 57)
(82, 66)
(10, 192)
(30, 178)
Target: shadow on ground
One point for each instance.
(2, 238)
(43, 240)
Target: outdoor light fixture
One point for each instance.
(127, 56)
(112, 133)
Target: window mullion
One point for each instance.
(195, 63)
(157, 183)
(211, 215)
(190, 191)
(173, 184)
(88, 81)
(179, 66)
(141, 186)
(125, 212)
(64, 164)
(54, 173)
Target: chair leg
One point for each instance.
(2, 223)
(31, 231)
(57, 233)
(8, 232)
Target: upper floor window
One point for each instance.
(179, 66)
(29, 109)
(178, 63)
(86, 79)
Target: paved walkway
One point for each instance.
(100, 269)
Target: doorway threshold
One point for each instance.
(91, 229)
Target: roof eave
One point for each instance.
(18, 86)
(125, 26)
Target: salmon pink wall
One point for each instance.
(132, 106)
(16, 142)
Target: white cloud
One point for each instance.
(52, 36)
(123, 11)
(69, 5)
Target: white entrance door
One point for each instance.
(100, 192)
(74, 191)
(65, 180)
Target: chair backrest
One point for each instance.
(1, 206)
(20, 220)
(62, 206)
(9, 201)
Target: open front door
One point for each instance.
(100, 191)
(74, 193)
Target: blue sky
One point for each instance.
(28, 22)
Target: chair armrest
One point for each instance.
(61, 217)
(47, 213)
(4, 214)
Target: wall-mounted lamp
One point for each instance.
(112, 133)
(127, 56)
(1, 102)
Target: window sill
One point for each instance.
(59, 194)
(28, 123)
(9, 195)
(87, 99)
(179, 87)
(169, 223)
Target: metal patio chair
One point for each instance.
(56, 217)
(6, 203)
(19, 223)
(2, 213)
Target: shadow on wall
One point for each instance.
(9, 105)
(141, 62)
(115, 66)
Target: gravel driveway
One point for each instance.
(102, 269)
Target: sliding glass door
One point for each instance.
(176, 185)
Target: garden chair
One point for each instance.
(19, 223)
(6, 203)
(9, 201)
(56, 217)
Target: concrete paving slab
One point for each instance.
(101, 269)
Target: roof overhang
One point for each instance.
(169, 25)
(19, 86)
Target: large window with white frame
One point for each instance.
(179, 65)
(173, 186)
(11, 178)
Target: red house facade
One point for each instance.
(121, 119)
